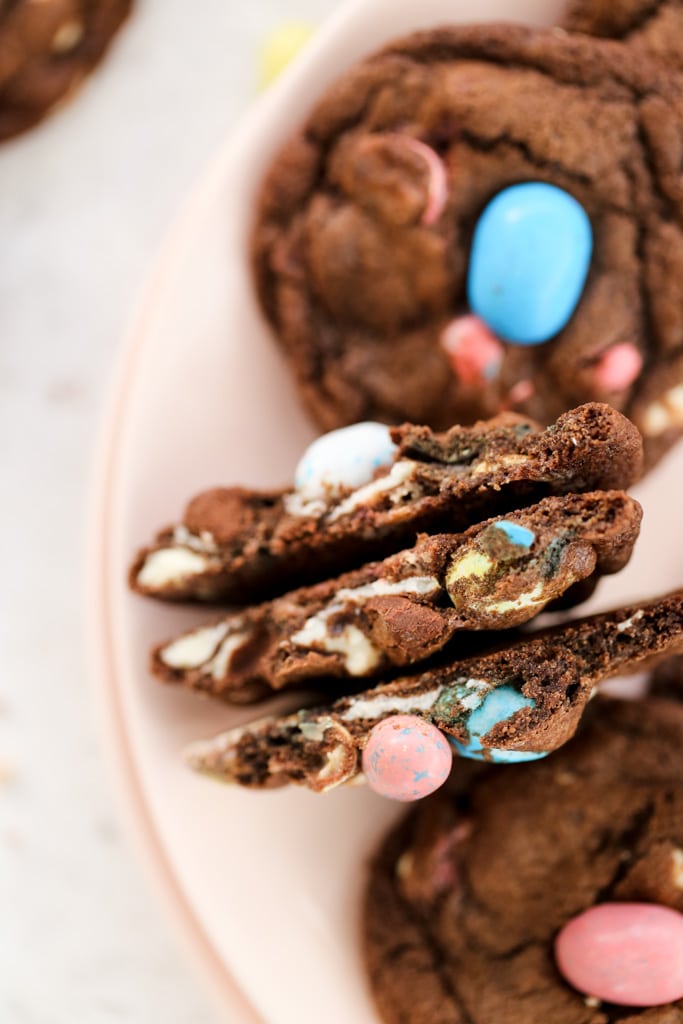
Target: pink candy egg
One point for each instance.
(406, 758)
(475, 353)
(437, 189)
(618, 367)
(630, 954)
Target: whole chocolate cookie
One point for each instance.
(467, 896)
(46, 48)
(407, 202)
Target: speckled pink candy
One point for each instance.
(437, 190)
(630, 954)
(618, 367)
(406, 758)
(475, 353)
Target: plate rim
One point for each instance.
(102, 661)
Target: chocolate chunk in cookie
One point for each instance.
(238, 545)
(395, 613)
(486, 218)
(518, 702)
(467, 896)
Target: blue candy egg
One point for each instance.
(499, 705)
(517, 534)
(530, 257)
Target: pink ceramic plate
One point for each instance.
(265, 887)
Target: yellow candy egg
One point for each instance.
(280, 47)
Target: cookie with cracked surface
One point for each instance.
(467, 895)
(518, 702)
(368, 258)
(396, 613)
(47, 47)
(239, 545)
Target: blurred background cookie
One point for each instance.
(47, 47)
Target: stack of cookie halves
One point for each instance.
(479, 225)
(399, 580)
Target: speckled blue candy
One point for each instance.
(516, 534)
(499, 705)
(530, 257)
(347, 457)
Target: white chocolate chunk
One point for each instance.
(526, 600)
(67, 36)
(501, 462)
(399, 475)
(203, 542)
(334, 761)
(375, 707)
(361, 654)
(628, 623)
(195, 648)
(665, 413)
(171, 565)
(677, 867)
(220, 663)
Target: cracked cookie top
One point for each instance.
(366, 223)
(467, 895)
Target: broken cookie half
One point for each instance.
(519, 702)
(395, 613)
(368, 491)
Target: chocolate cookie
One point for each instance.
(395, 613)
(47, 47)
(518, 702)
(237, 545)
(467, 896)
(486, 218)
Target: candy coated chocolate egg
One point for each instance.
(530, 256)
(406, 758)
(517, 534)
(347, 457)
(475, 355)
(618, 367)
(437, 187)
(630, 954)
(499, 705)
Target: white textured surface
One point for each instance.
(85, 201)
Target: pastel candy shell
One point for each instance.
(406, 758)
(618, 367)
(348, 457)
(630, 954)
(499, 705)
(530, 257)
(437, 188)
(474, 352)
